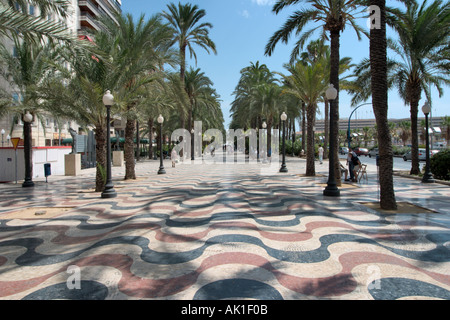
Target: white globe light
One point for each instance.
(108, 98)
(160, 119)
(331, 92)
(28, 117)
(426, 109)
(283, 116)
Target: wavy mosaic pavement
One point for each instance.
(218, 233)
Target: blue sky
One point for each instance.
(242, 28)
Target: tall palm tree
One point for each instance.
(24, 70)
(197, 86)
(332, 16)
(77, 94)
(405, 134)
(307, 82)
(257, 98)
(142, 48)
(424, 33)
(187, 31)
(379, 85)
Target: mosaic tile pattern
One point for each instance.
(218, 232)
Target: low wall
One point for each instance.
(41, 155)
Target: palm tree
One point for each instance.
(197, 85)
(257, 98)
(307, 82)
(423, 46)
(333, 16)
(77, 94)
(187, 31)
(15, 22)
(142, 48)
(24, 70)
(405, 134)
(379, 85)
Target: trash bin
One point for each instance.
(47, 170)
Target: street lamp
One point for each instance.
(154, 151)
(264, 147)
(331, 188)
(192, 144)
(427, 177)
(161, 165)
(27, 149)
(108, 191)
(283, 164)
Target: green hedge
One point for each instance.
(440, 165)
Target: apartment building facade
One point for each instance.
(50, 132)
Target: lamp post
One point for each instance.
(27, 149)
(192, 144)
(108, 191)
(3, 133)
(331, 188)
(264, 125)
(154, 151)
(427, 177)
(283, 164)
(349, 118)
(161, 165)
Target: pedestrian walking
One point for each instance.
(321, 154)
(174, 157)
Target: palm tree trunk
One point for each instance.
(100, 155)
(414, 93)
(378, 64)
(182, 63)
(150, 138)
(310, 168)
(129, 150)
(303, 125)
(269, 137)
(138, 143)
(334, 107)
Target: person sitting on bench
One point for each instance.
(344, 171)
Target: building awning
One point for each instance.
(437, 129)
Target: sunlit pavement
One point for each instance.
(204, 231)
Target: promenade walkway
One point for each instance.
(223, 231)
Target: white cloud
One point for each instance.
(245, 14)
(264, 2)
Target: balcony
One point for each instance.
(88, 20)
(88, 6)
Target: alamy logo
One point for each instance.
(74, 280)
(230, 149)
(374, 20)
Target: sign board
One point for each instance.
(80, 143)
(15, 142)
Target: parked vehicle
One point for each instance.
(422, 154)
(343, 150)
(361, 151)
(439, 145)
(373, 152)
